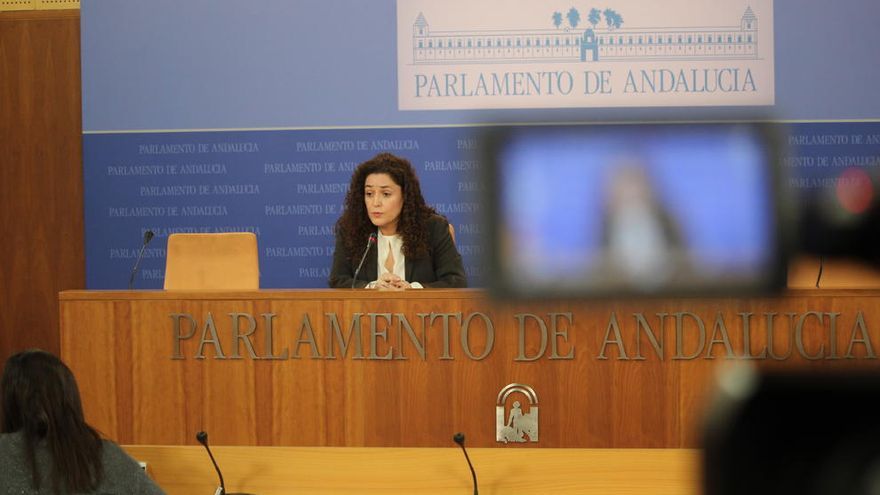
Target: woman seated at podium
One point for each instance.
(46, 447)
(388, 237)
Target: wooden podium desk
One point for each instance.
(186, 470)
(343, 368)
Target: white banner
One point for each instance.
(487, 54)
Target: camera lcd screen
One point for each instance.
(633, 209)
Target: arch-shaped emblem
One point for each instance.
(516, 426)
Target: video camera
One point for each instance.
(658, 209)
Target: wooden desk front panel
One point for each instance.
(121, 347)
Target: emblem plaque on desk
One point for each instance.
(517, 422)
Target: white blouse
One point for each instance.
(394, 245)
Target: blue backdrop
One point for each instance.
(217, 115)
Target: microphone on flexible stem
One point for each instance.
(202, 437)
(148, 236)
(459, 439)
(370, 242)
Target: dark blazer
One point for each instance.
(442, 268)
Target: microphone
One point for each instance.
(148, 236)
(459, 439)
(202, 437)
(370, 242)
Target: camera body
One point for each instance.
(636, 210)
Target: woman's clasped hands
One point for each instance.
(390, 281)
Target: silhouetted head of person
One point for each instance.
(792, 431)
(41, 401)
(39, 393)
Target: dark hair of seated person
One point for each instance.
(355, 226)
(41, 400)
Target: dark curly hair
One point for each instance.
(355, 226)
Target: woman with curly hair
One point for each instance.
(413, 246)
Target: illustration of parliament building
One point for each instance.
(563, 45)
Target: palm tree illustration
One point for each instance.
(594, 17)
(613, 19)
(574, 17)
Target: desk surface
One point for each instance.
(334, 294)
(329, 470)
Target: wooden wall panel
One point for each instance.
(41, 186)
(614, 392)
